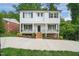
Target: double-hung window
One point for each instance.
(23, 15)
(28, 27)
(50, 15)
(51, 27)
(56, 15)
(40, 14)
(53, 15)
(27, 15)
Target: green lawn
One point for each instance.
(24, 52)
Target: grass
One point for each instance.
(26, 52)
(9, 34)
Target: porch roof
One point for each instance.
(11, 20)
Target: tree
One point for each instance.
(2, 30)
(74, 8)
(68, 30)
(76, 33)
(52, 7)
(13, 15)
(35, 6)
(28, 6)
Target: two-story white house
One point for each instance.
(40, 24)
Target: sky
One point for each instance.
(64, 14)
(6, 7)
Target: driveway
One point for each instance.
(39, 44)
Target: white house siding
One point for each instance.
(35, 19)
(42, 21)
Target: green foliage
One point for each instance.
(52, 7)
(28, 6)
(19, 34)
(26, 52)
(12, 15)
(10, 34)
(76, 33)
(74, 8)
(2, 30)
(69, 31)
(33, 6)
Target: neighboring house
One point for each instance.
(40, 24)
(11, 25)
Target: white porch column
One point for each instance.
(23, 28)
(56, 27)
(58, 30)
(46, 30)
(20, 28)
(33, 27)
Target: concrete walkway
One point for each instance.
(37, 44)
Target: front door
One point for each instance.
(38, 34)
(39, 28)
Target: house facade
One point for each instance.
(40, 24)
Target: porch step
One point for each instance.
(38, 35)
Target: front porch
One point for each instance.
(45, 30)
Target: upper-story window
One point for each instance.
(23, 15)
(27, 15)
(39, 14)
(53, 15)
(56, 15)
(50, 15)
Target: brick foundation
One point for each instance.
(39, 35)
(51, 36)
(28, 35)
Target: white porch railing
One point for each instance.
(39, 20)
(52, 31)
(27, 31)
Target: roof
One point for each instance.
(11, 20)
(40, 10)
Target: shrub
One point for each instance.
(19, 34)
(69, 31)
(60, 37)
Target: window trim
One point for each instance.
(52, 27)
(56, 15)
(28, 27)
(51, 15)
(40, 14)
(28, 14)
